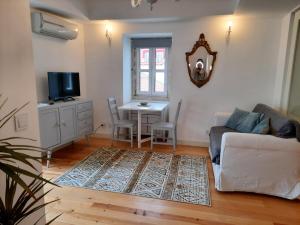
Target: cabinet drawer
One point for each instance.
(84, 115)
(84, 123)
(85, 131)
(87, 106)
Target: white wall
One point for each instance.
(57, 55)
(282, 62)
(127, 78)
(244, 74)
(17, 78)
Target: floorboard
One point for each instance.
(85, 207)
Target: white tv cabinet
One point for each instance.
(64, 122)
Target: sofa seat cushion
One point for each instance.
(215, 137)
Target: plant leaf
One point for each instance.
(6, 118)
(20, 210)
(51, 221)
(3, 103)
(48, 223)
(11, 172)
(16, 208)
(6, 160)
(28, 207)
(21, 157)
(36, 209)
(30, 174)
(35, 187)
(17, 138)
(24, 197)
(9, 196)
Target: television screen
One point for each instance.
(63, 85)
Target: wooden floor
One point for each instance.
(84, 207)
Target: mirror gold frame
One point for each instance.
(200, 75)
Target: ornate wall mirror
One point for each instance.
(200, 62)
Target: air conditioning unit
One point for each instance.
(53, 26)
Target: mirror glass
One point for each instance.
(200, 64)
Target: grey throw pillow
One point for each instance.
(288, 130)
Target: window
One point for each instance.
(150, 70)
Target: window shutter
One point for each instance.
(151, 42)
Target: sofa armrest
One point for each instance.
(221, 118)
(260, 163)
(259, 142)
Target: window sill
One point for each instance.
(150, 98)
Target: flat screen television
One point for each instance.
(63, 85)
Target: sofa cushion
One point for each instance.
(280, 125)
(243, 121)
(235, 118)
(215, 136)
(288, 130)
(263, 127)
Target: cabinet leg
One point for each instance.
(49, 154)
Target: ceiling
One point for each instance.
(164, 9)
(121, 9)
(266, 7)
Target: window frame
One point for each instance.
(152, 73)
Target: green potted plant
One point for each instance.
(14, 207)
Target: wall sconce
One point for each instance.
(108, 32)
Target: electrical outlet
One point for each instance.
(21, 122)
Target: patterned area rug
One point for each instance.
(182, 178)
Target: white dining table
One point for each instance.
(153, 106)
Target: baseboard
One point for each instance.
(102, 135)
(194, 143)
(181, 142)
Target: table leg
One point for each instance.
(139, 134)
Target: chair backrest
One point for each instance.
(177, 112)
(113, 109)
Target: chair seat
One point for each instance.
(125, 123)
(163, 126)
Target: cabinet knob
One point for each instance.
(63, 123)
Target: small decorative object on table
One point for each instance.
(144, 104)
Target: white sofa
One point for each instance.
(257, 163)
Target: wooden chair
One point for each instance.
(117, 123)
(170, 127)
